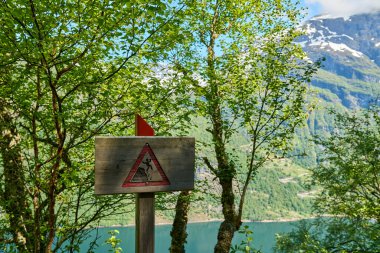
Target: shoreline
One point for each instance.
(215, 220)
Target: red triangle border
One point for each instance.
(145, 149)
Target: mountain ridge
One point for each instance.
(351, 49)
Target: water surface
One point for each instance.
(201, 236)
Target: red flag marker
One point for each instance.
(142, 127)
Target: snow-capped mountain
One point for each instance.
(351, 48)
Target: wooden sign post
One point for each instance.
(144, 216)
(144, 165)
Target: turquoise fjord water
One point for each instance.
(201, 237)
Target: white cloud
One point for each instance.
(344, 8)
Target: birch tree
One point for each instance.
(247, 73)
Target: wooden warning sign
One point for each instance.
(143, 164)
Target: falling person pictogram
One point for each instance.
(146, 171)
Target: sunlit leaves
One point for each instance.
(349, 170)
(71, 70)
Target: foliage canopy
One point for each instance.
(349, 176)
(70, 70)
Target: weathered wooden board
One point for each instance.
(143, 164)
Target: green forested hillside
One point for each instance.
(277, 192)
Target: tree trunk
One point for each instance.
(225, 170)
(178, 232)
(14, 194)
(225, 173)
(231, 224)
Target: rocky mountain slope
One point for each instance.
(350, 76)
(351, 48)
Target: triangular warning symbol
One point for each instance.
(146, 171)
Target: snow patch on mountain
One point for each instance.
(310, 29)
(321, 34)
(343, 48)
(322, 17)
(345, 35)
(336, 47)
(328, 30)
(331, 16)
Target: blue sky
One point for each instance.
(313, 8)
(340, 8)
